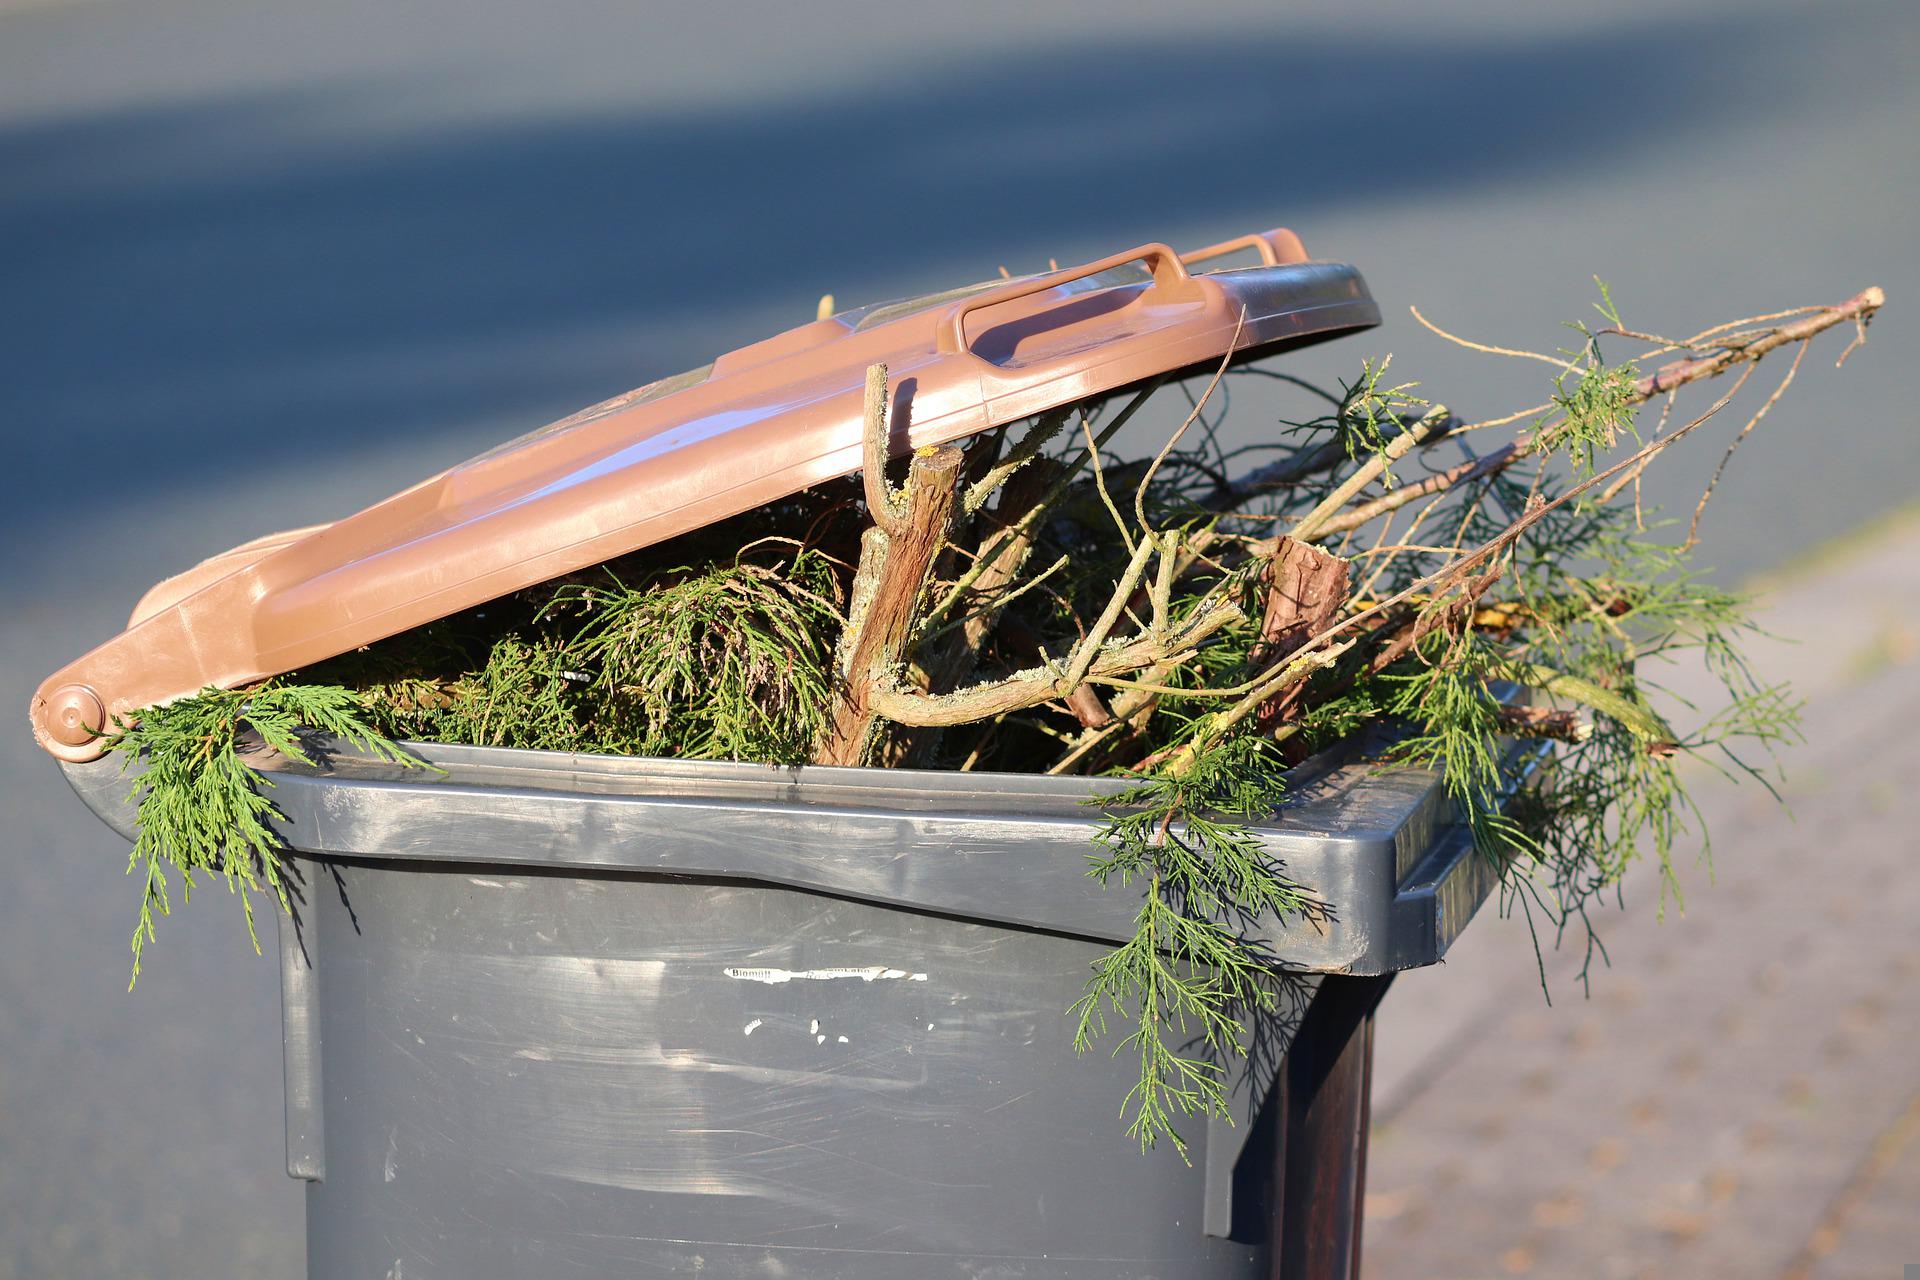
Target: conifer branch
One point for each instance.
(1736, 350)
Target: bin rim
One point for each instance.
(1378, 843)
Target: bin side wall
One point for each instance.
(533, 1073)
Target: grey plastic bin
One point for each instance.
(565, 1017)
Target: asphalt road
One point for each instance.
(262, 263)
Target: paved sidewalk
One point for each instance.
(1740, 1094)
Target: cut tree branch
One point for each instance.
(1045, 683)
(896, 557)
(1520, 721)
(885, 507)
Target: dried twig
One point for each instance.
(1558, 362)
(1706, 496)
(1859, 308)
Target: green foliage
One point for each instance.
(714, 664)
(1446, 694)
(1620, 795)
(1607, 605)
(722, 662)
(201, 808)
(1370, 415)
(725, 661)
(1188, 980)
(1594, 399)
(720, 645)
(1590, 603)
(1365, 416)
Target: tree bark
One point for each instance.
(892, 577)
(1306, 588)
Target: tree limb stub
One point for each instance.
(885, 507)
(896, 557)
(1639, 720)
(879, 644)
(1521, 721)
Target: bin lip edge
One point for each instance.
(383, 819)
(940, 793)
(1309, 814)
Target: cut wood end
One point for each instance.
(937, 459)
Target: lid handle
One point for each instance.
(1276, 248)
(1170, 283)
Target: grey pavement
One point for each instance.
(263, 262)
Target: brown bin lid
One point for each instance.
(758, 424)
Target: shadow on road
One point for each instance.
(205, 291)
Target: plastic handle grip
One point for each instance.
(1276, 248)
(1170, 280)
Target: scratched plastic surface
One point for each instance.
(566, 1077)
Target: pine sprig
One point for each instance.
(708, 663)
(200, 803)
(1594, 401)
(723, 660)
(1187, 979)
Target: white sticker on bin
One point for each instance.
(774, 977)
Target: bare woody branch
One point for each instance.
(1744, 349)
(1306, 635)
(896, 557)
(1045, 683)
(884, 506)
